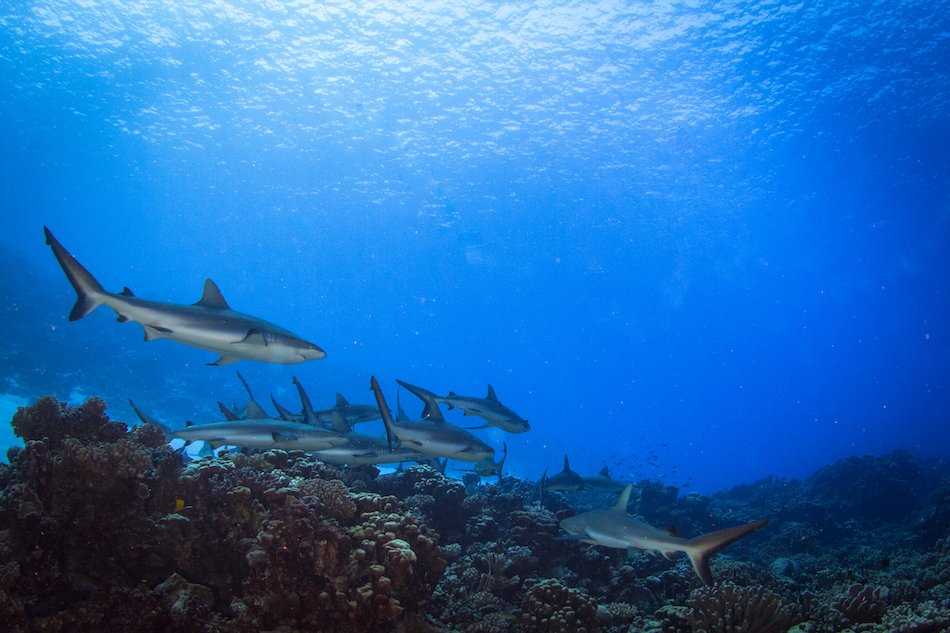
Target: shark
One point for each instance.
(252, 409)
(209, 324)
(488, 467)
(250, 433)
(603, 481)
(363, 450)
(566, 480)
(358, 450)
(431, 435)
(350, 414)
(614, 528)
(488, 408)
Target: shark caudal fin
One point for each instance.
(383, 411)
(701, 548)
(147, 419)
(283, 412)
(88, 291)
(309, 415)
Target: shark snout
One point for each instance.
(310, 351)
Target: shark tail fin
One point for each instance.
(383, 410)
(226, 412)
(309, 415)
(147, 419)
(702, 548)
(282, 411)
(89, 292)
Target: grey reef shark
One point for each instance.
(488, 467)
(614, 528)
(343, 413)
(568, 480)
(488, 408)
(432, 435)
(250, 433)
(209, 324)
(358, 450)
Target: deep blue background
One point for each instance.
(699, 243)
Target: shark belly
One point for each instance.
(609, 540)
(223, 333)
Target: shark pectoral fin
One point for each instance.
(283, 436)
(254, 337)
(224, 360)
(153, 332)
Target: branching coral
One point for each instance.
(726, 608)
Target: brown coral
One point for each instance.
(726, 608)
(551, 607)
(102, 529)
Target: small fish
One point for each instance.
(209, 324)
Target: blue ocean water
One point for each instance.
(698, 241)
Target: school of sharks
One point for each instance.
(330, 434)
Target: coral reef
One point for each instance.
(105, 528)
(102, 529)
(727, 608)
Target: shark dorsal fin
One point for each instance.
(341, 401)
(255, 411)
(338, 422)
(127, 292)
(604, 472)
(212, 297)
(624, 500)
(491, 394)
(452, 394)
(567, 464)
